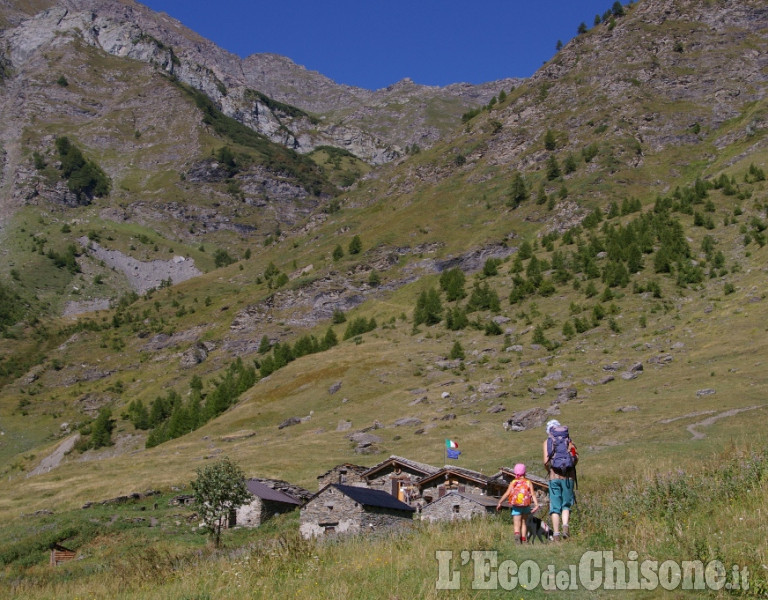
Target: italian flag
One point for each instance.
(451, 445)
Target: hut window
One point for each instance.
(329, 527)
(456, 508)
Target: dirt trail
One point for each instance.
(697, 435)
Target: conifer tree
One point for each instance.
(457, 352)
(429, 308)
(553, 168)
(518, 192)
(101, 431)
(452, 283)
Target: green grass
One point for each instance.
(632, 495)
(675, 516)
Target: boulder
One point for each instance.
(554, 376)
(362, 438)
(193, 356)
(565, 395)
(661, 359)
(288, 422)
(530, 418)
(405, 421)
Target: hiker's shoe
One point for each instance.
(517, 538)
(556, 537)
(566, 534)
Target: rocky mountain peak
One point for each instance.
(127, 29)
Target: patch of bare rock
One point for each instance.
(143, 276)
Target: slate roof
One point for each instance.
(461, 471)
(292, 490)
(369, 497)
(263, 491)
(484, 501)
(355, 468)
(416, 466)
(507, 474)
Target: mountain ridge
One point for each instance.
(225, 78)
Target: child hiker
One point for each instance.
(520, 495)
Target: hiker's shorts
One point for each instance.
(521, 510)
(560, 495)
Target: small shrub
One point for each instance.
(457, 352)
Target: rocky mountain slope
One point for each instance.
(128, 29)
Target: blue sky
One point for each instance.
(375, 43)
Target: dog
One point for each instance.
(538, 529)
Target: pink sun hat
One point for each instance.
(519, 470)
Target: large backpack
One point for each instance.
(521, 493)
(558, 449)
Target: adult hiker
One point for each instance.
(560, 458)
(521, 495)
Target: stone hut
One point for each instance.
(345, 474)
(540, 485)
(347, 509)
(398, 477)
(458, 479)
(456, 505)
(266, 503)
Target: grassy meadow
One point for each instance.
(714, 513)
(666, 355)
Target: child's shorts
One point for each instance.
(521, 510)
